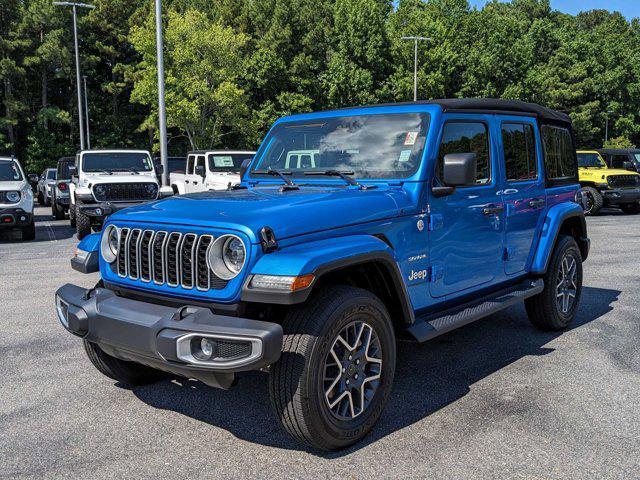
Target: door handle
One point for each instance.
(509, 191)
(537, 203)
(492, 209)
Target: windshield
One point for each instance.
(586, 160)
(227, 162)
(368, 146)
(51, 174)
(636, 157)
(9, 171)
(116, 162)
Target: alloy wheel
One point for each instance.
(566, 284)
(352, 370)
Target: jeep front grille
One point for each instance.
(622, 181)
(125, 192)
(166, 258)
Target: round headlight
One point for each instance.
(13, 197)
(109, 243)
(226, 257)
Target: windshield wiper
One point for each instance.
(108, 172)
(343, 175)
(289, 185)
(131, 170)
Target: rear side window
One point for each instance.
(466, 137)
(519, 146)
(559, 155)
(190, 164)
(617, 161)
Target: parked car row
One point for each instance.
(16, 198)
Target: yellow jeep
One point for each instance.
(602, 186)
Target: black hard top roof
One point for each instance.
(618, 150)
(492, 105)
(67, 159)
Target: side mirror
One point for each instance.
(159, 169)
(73, 171)
(33, 178)
(199, 171)
(459, 170)
(244, 167)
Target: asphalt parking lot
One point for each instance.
(495, 399)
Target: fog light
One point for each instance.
(23, 218)
(207, 347)
(98, 211)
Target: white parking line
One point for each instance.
(52, 235)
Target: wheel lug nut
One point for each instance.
(344, 370)
(357, 362)
(347, 382)
(349, 357)
(356, 376)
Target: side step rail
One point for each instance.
(434, 324)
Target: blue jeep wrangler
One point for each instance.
(351, 228)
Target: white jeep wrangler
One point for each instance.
(16, 199)
(209, 170)
(105, 181)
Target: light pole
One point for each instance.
(415, 63)
(606, 127)
(75, 42)
(86, 110)
(162, 114)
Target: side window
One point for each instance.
(519, 147)
(190, 162)
(200, 162)
(617, 161)
(466, 137)
(559, 155)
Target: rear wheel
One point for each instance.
(58, 211)
(334, 376)
(630, 208)
(83, 224)
(130, 373)
(40, 198)
(593, 201)
(556, 306)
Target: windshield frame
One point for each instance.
(429, 113)
(116, 152)
(17, 167)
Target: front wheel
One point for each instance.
(556, 306)
(130, 373)
(334, 376)
(72, 215)
(83, 224)
(40, 199)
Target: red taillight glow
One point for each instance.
(62, 187)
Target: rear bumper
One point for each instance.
(166, 338)
(14, 218)
(616, 196)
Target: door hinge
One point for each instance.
(436, 272)
(435, 221)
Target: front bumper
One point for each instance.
(14, 217)
(617, 196)
(164, 337)
(101, 210)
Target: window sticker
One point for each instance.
(405, 155)
(411, 137)
(225, 161)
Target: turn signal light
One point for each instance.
(282, 282)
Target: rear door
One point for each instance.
(522, 189)
(466, 240)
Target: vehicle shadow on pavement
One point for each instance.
(47, 230)
(428, 377)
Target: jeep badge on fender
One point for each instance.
(309, 268)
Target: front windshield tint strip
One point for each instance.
(367, 146)
(116, 162)
(9, 171)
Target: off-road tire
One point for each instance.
(40, 198)
(83, 224)
(72, 215)
(29, 232)
(58, 211)
(543, 309)
(296, 380)
(630, 208)
(130, 373)
(594, 200)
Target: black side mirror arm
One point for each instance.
(442, 191)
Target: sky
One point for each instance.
(629, 8)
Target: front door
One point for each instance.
(523, 190)
(466, 241)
